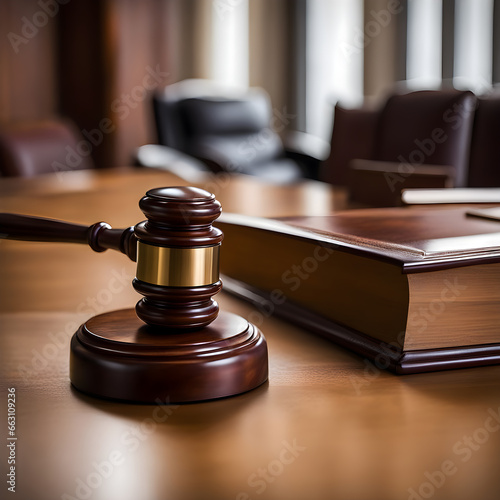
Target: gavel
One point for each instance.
(177, 253)
(176, 250)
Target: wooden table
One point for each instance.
(327, 425)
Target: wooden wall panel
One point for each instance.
(137, 39)
(114, 55)
(28, 81)
(85, 73)
(270, 65)
(90, 61)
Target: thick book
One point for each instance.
(413, 289)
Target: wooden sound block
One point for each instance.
(115, 355)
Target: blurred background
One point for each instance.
(99, 61)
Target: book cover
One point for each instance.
(422, 284)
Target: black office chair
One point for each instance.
(231, 131)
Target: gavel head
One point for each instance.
(178, 258)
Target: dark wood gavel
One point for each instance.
(175, 357)
(176, 250)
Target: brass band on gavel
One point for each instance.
(184, 267)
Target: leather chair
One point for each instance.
(484, 167)
(423, 140)
(231, 131)
(353, 136)
(30, 149)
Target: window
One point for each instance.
(334, 60)
(473, 44)
(424, 42)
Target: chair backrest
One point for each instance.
(428, 127)
(35, 148)
(484, 167)
(213, 122)
(353, 136)
(170, 126)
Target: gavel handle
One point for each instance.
(100, 236)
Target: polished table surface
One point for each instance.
(327, 425)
